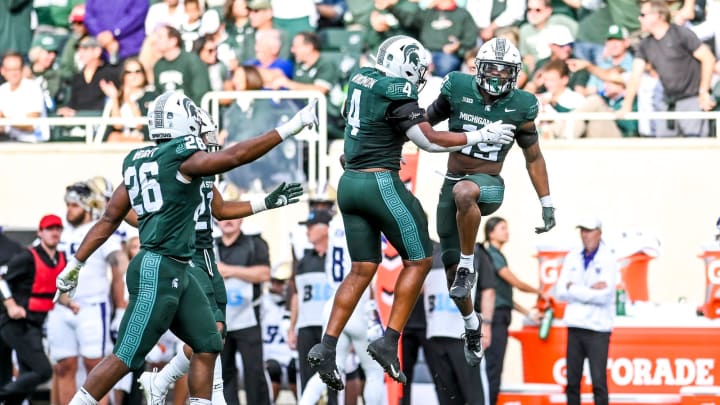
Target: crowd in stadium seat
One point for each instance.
(197, 45)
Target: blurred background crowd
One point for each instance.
(97, 58)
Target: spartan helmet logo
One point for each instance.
(411, 54)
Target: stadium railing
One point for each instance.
(317, 139)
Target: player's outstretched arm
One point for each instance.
(426, 138)
(208, 164)
(283, 195)
(412, 120)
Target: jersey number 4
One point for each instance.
(354, 111)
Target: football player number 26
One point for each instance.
(151, 195)
(485, 151)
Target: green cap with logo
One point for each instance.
(46, 42)
(617, 32)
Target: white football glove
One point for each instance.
(307, 117)
(67, 280)
(495, 132)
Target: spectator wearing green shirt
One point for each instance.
(177, 69)
(15, 31)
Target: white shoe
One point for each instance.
(153, 396)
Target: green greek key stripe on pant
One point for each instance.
(131, 339)
(403, 217)
(492, 194)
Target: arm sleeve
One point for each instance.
(439, 110)
(526, 137)
(403, 114)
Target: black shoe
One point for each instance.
(473, 346)
(322, 359)
(463, 284)
(387, 358)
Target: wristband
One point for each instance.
(5, 290)
(258, 203)
(287, 129)
(546, 201)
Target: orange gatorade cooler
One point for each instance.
(527, 394)
(550, 261)
(695, 395)
(634, 271)
(711, 307)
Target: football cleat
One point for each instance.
(322, 359)
(153, 396)
(463, 284)
(387, 358)
(473, 346)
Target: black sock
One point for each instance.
(329, 341)
(392, 336)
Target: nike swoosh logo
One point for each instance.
(394, 372)
(509, 110)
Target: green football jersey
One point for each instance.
(203, 215)
(370, 139)
(164, 201)
(470, 112)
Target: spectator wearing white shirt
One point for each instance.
(490, 15)
(20, 98)
(167, 12)
(558, 97)
(588, 283)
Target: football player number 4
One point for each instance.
(354, 113)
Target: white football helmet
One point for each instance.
(209, 129)
(403, 56)
(82, 194)
(498, 65)
(101, 185)
(173, 115)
